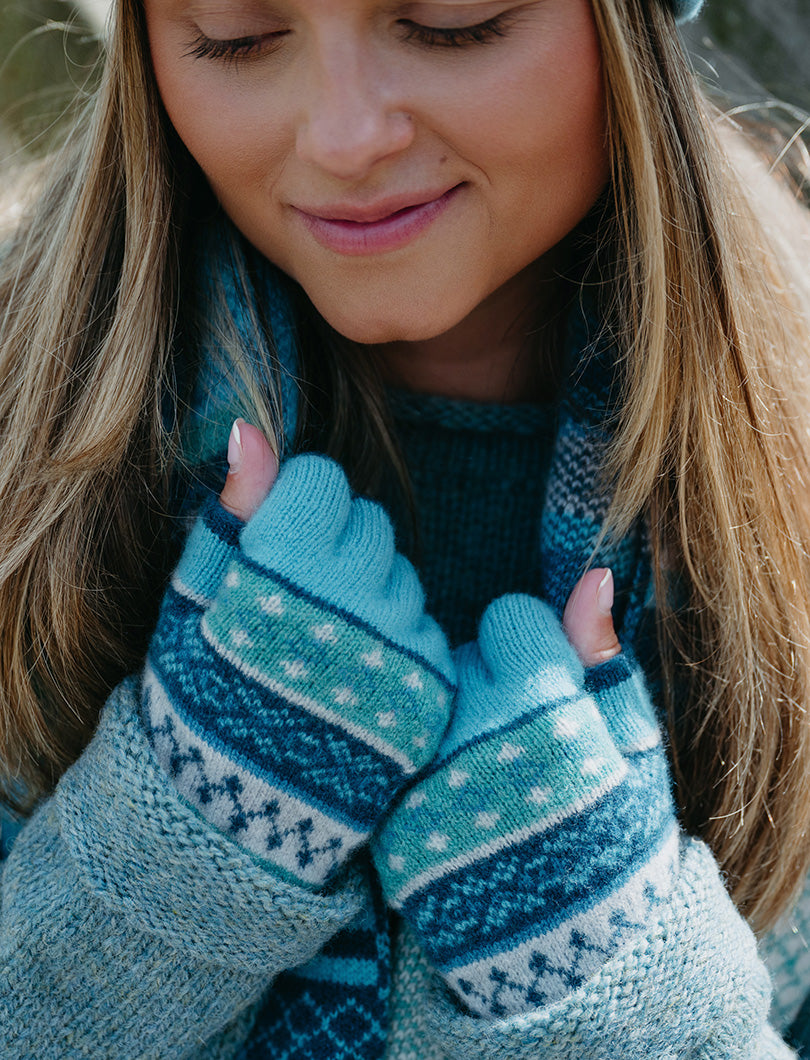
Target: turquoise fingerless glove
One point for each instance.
(544, 834)
(294, 682)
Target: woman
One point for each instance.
(488, 257)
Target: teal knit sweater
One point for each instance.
(478, 474)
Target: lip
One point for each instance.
(379, 227)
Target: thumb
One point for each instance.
(253, 470)
(587, 620)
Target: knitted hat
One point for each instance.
(686, 9)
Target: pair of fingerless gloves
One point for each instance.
(518, 808)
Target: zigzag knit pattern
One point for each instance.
(690, 986)
(545, 836)
(286, 720)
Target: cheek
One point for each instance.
(544, 131)
(567, 162)
(230, 146)
(225, 127)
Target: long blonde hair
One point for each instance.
(709, 449)
(712, 445)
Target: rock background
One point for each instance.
(755, 50)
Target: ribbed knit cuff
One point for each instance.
(211, 545)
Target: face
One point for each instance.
(403, 160)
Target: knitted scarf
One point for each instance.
(335, 1007)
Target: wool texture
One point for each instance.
(478, 474)
(294, 683)
(133, 928)
(145, 916)
(543, 838)
(335, 1006)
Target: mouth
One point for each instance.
(376, 228)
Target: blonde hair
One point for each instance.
(87, 296)
(710, 425)
(712, 447)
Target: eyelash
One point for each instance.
(456, 36)
(229, 51)
(240, 48)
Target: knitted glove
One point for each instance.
(544, 834)
(294, 682)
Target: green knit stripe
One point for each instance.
(563, 759)
(315, 657)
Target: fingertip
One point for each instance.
(236, 452)
(585, 597)
(252, 470)
(588, 619)
(604, 594)
(257, 453)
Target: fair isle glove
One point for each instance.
(294, 682)
(544, 835)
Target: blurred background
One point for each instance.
(756, 51)
(758, 48)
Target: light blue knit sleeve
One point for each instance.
(132, 928)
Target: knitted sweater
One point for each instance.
(134, 924)
(478, 474)
(130, 924)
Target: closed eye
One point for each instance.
(456, 36)
(235, 49)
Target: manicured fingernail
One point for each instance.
(604, 594)
(235, 451)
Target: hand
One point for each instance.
(587, 621)
(295, 683)
(544, 835)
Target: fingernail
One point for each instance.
(604, 594)
(235, 451)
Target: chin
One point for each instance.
(365, 326)
(389, 333)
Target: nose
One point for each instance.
(351, 119)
